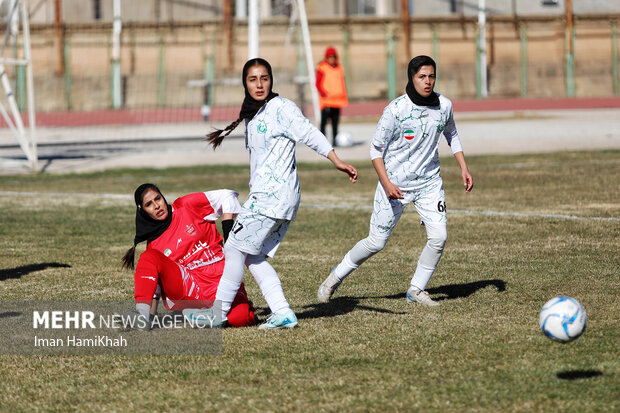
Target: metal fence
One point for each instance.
(187, 65)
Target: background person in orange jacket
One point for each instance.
(332, 90)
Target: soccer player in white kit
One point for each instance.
(404, 153)
(273, 125)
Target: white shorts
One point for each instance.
(255, 234)
(430, 202)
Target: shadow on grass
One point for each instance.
(344, 305)
(14, 273)
(339, 306)
(579, 374)
(8, 314)
(453, 291)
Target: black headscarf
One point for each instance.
(250, 105)
(147, 228)
(414, 65)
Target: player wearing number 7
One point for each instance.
(404, 153)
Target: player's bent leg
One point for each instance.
(241, 312)
(360, 252)
(155, 268)
(146, 276)
(231, 278)
(241, 315)
(268, 282)
(427, 264)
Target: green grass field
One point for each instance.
(534, 227)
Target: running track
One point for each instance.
(355, 109)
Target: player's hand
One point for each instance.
(343, 166)
(349, 170)
(468, 181)
(392, 191)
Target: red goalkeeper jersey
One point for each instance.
(192, 240)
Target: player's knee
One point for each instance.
(437, 240)
(254, 259)
(375, 244)
(150, 261)
(241, 315)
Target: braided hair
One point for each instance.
(250, 106)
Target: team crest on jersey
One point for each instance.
(190, 229)
(441, 125)
(262, 127)
(408, 134)
(167, 252)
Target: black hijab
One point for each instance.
(414, 65)
(250, 105)
(147, 228)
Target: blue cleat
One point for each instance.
(285, 319)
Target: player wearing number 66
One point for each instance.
(404, 153)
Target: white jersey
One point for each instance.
(270, 137)
(223, 201)
(407, 138)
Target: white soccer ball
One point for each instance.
(344, 139)
(563, 319)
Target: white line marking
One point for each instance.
(65, 195)
(468, 212)
(325, 206)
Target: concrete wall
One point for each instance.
(152, 11)
(158, 62)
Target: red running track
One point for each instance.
(355, 109)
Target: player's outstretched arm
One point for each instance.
(468, 180)
(391, 190)
(343, 166)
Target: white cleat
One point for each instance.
(327, 289)
(421, 297)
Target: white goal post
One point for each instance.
(254, 42)
(17, 11)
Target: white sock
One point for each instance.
(360, 252)
(345, 268)
(231, 278)
(426, 267)
(268, 282)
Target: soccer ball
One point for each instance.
(563, 319)
(344, 139)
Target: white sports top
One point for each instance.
(270, 137)
(407, 138)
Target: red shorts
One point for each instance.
(178, 284)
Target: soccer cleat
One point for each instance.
(328, 288)
(421, 297)
(285, 319)
(203, 318)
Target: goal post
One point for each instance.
(254, 44)
(17, 11)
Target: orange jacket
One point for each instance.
(331, 86)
